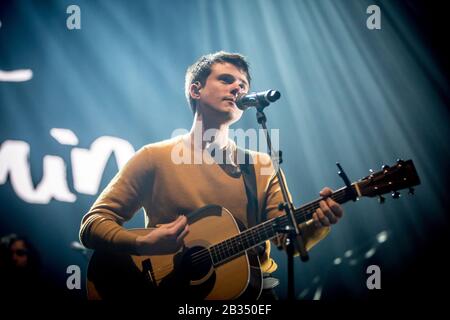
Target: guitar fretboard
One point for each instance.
(250, 238)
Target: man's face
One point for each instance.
(218, 96)
(19, 254)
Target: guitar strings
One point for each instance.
(224, 249)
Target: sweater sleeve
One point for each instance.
(101, 227)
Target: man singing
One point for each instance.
(168, 189)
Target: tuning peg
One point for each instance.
(371, 171)
(384, 167)
(411, 191)
(381, 199)
(400, 161)
(395, 194)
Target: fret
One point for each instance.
(217, 250)
(245, 241)
(227, 247)
(252, 234)
(233, 246)
(214, 257)
(240, 244)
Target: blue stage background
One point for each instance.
(349, 94)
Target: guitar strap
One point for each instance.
(249, 176)
(254, 217)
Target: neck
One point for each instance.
(208, 131)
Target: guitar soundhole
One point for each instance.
(196, 263)
(191, 278)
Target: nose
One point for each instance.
(236, 89)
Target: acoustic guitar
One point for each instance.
(219, 260)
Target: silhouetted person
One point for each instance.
(20, 268)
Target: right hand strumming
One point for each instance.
(165, 239)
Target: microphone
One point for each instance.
(257, 99)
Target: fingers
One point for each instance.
(326, 192)
(335, 207)
(317, 223)
(328, 213)
(183, 234)
(176, 224)
(167, 238)
(173, 223)
(320, 218)
(178, 227)
(175, 232)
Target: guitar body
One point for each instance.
(188, 274)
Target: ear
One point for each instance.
(194, 90)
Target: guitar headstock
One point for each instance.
(389, 179)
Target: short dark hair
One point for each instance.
(201, 69)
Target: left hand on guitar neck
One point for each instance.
(329, 212)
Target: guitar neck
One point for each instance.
(305, 212)
(250, 238)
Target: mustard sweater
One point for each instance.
(155, 179)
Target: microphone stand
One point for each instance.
(294, 239)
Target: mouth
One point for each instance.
(230, 99)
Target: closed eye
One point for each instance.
(227, 78)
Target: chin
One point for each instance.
(227, 113)
(234, 117)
